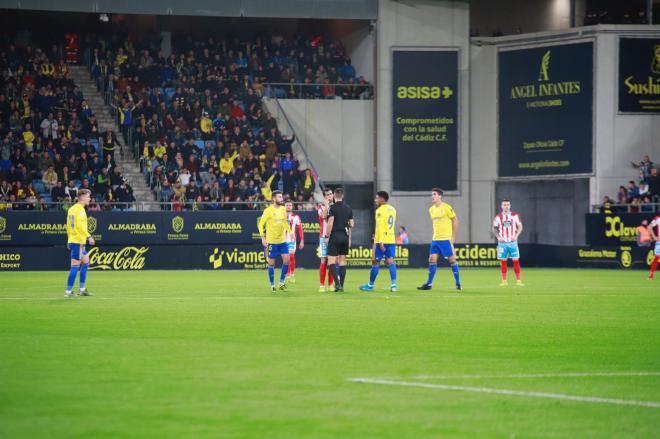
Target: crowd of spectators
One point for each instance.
(50, 138)
(636, 197)
(196, 117)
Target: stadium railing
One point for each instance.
(146, 206)
(302, 90)
(627, 208)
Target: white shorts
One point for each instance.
(292, 247)
(323, 248)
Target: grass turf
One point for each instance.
(216, 354)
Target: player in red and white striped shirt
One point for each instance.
(323, 210)
(507, 227)
(654, 230)
(296, 227)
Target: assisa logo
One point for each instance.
(177, 224)
(91, 225)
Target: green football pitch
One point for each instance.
(574, 353)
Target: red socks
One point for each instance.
(654, 265)
(503, 268)
(292, 263)
(322, 272)
(516, 269)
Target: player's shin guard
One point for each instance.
(516, 268)
(432, 269)
(292, 263)
(654, 266)
(393, 273)
(454, 269)
(83, 275)
(73, 272)
(285, 270)
(503, 269)
(373, 274)
(342, 275)
(271, 274)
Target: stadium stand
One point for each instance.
(50, 137)
(197, 121)
(638, 196)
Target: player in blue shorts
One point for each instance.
(77, 237)
(272, 225)
(445, 228)
(384, 241)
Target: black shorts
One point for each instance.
(338, 244)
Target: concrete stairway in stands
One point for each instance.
(127, 164)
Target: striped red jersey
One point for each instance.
(296, 227)
(655, 224)
(507, 225)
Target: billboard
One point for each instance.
(545, 109)
(639, 75)
(614, 229)
(145, 228)
(425, 119)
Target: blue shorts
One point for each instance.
(388, 253)
(77, 251)
(275, 250)
(444, 248)
(323, 248)
(506, 250)
(657, 248)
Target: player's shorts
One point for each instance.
(506, 250)
(323, 247)
(275, 250)
(387, 253)
(338, 244)
(657, 248)
(292, 247)
(444, 248)
(77, 250)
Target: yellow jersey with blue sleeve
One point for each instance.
(385, 222)
(76, 224)
(442, 217)
(274, 221)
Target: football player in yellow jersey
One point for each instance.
(274, 221)
(384, 241)
(445, 228)
(78, 236)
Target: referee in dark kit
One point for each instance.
(340, 222)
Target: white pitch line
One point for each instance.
(540, 375)
(490, 390)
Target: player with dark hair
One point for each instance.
(507, 227)
(445, 228)
(77, 237)
(274, 223)
(384, 241)
(323, 209)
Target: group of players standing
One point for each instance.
(279, 227)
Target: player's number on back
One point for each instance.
(390, 221)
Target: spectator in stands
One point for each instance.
(402, 236)
(633, 191)
(644, 166)
(643, 235)
(647, 205)
(109, 141)
(50, 178)
(71, 191)
(57, 193)
(50, 127)
(606, 206)
(653, 181)
(622, 195)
